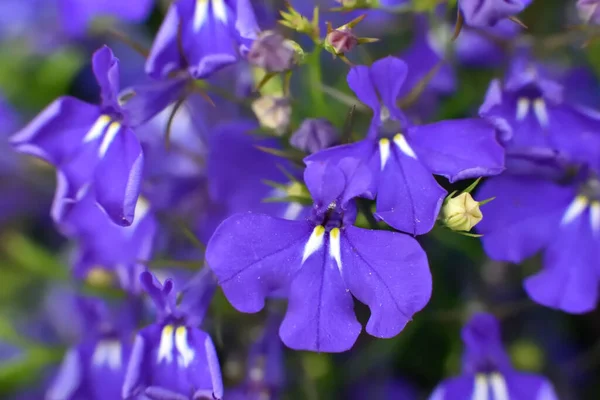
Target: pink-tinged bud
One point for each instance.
(340, 41)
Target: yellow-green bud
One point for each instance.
(461, 213)
(273, 112)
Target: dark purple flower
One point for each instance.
(91, 144)
(214, 33)
(486, 13)
(172, 358)
(530, 214)
(530, 111)
(323, 261)
(403, 158)
(314, 134)
(487, 372)
(589, 10)
(95, 368)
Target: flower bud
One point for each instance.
(461, 213)
(589, 10)
(341, 40)
(347, 5)
(272, 52)
(313, 135)
(273, 112)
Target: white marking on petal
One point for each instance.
(186, 354)
(575, 209)
(523, 105)
(165, 348)
(541, 112)
(334, 247)
(292, 211)
(111, 133)
(595, 217)
(97, 129)
(384, 151)
(200, 14)
(108, 352)
(220, 10)
(384, 114)
(480, 389)
(403, 145)
(314, 242)
(499, 389)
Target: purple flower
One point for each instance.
(530, 214)
(530, 110)
(485, 13)
(95, 145)
(172, 358)
(487, 372)
(95, 368)
(589, 10)
(314, 134)
(213, 35)
(323, 261)
(403, 158)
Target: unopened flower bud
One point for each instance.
(461, 213)
(589, 10)
(357, 4)
(341, 40)
(273, 112)
(272, 52)
(313, 135)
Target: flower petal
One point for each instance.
(165, 57)
(106, 69)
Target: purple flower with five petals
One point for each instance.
(322, 262)
(173, 359)
(531, 214)
(486, 13)
(202, 36)
(487, 372)
(95, 145)
(403, 158)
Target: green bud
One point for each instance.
(298, 22)
(461, 213)
(349, 5)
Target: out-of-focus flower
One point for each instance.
(487, 369)
(485, 13)
(273, 112)
(324, 260)
(272, 52)
(589, 10)
(314, 134)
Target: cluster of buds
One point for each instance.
(349, 5)
(341, 40)
(298, 22)
(461, 213)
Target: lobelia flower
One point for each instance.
(265, 367)
(314, 134)
(487, 371)
(95, 368)
(323, 261)
(403, 158)
(172, 359)
(589, 10)
(213, 34)
(533, 117)
(95, 145)
(531, 214)
(486, 13)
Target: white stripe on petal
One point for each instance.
(110, 135)
(200, 14)
(403, 145)
(595, 217)
(523, 105)
(186, 354)
(292, 211)
(541, 112)
(220, 10)
(97, 129)
(314, 242)
(499, 388)
(480, 390)
(334, 247)
(108, 352)
(384, 151)
(165, 348)
(575, 209)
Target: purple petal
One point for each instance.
(523, 386)
(245, 24)
(152, 98)
(135, 377)
(569, 279)
(118, 176)
(485, 13)
(157, 292)
(165, 57)
(359, 80)
(325, 182)
(388, 75)
(69, 377)
(253, 255)
(106, 70)
(389, 272)
(57, 133)
(455, 389)
(483, 345)
(458, 149)
(320, 315)
(523, 217)
(408, 196)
